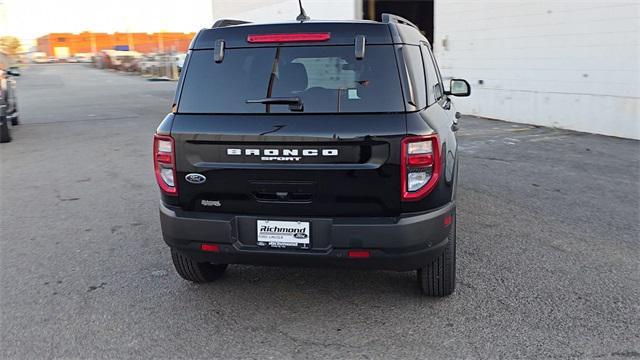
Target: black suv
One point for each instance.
(311, 144)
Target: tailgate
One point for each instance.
(290, 165)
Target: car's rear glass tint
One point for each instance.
(327, 79)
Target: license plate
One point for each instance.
(282, 234)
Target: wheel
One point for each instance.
(4, 131)
(198, 272)
(439, 277)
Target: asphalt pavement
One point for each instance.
(548, 249)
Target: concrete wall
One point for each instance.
(559, 63)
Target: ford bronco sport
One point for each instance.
(311, 144)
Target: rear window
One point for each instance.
(326, 79)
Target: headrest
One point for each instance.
(292, 77)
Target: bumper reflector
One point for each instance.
(359, 254)
(210, 247)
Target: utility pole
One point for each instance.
(130, 44)
(160, 42)
(94, 48)
(130, 41)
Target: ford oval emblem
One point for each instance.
(300, 235)
(195, 178)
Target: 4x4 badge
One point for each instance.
(195, 178)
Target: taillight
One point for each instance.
(164, 161)
(420, 166)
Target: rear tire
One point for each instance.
(4, 131)
(198, 272)
(439, 278)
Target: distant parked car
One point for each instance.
(84, 57)
(130, 64)
(116, 59)
(147, 64)
(39, 57)
(103, 61)
(8, 100)
(179, 59)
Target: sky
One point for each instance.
(30, 19)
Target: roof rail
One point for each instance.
(390, 18)
(228, 22)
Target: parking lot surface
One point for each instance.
(548, 249)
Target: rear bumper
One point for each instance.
(395, 243)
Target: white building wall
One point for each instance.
(560, 63)
(285, 10)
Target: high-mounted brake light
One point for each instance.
(164, 163)
(420, 166)
(281, 38)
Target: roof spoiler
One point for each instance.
(390, 18)
(228, 22)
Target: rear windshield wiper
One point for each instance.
(295, 103)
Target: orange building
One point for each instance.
(66, 44)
